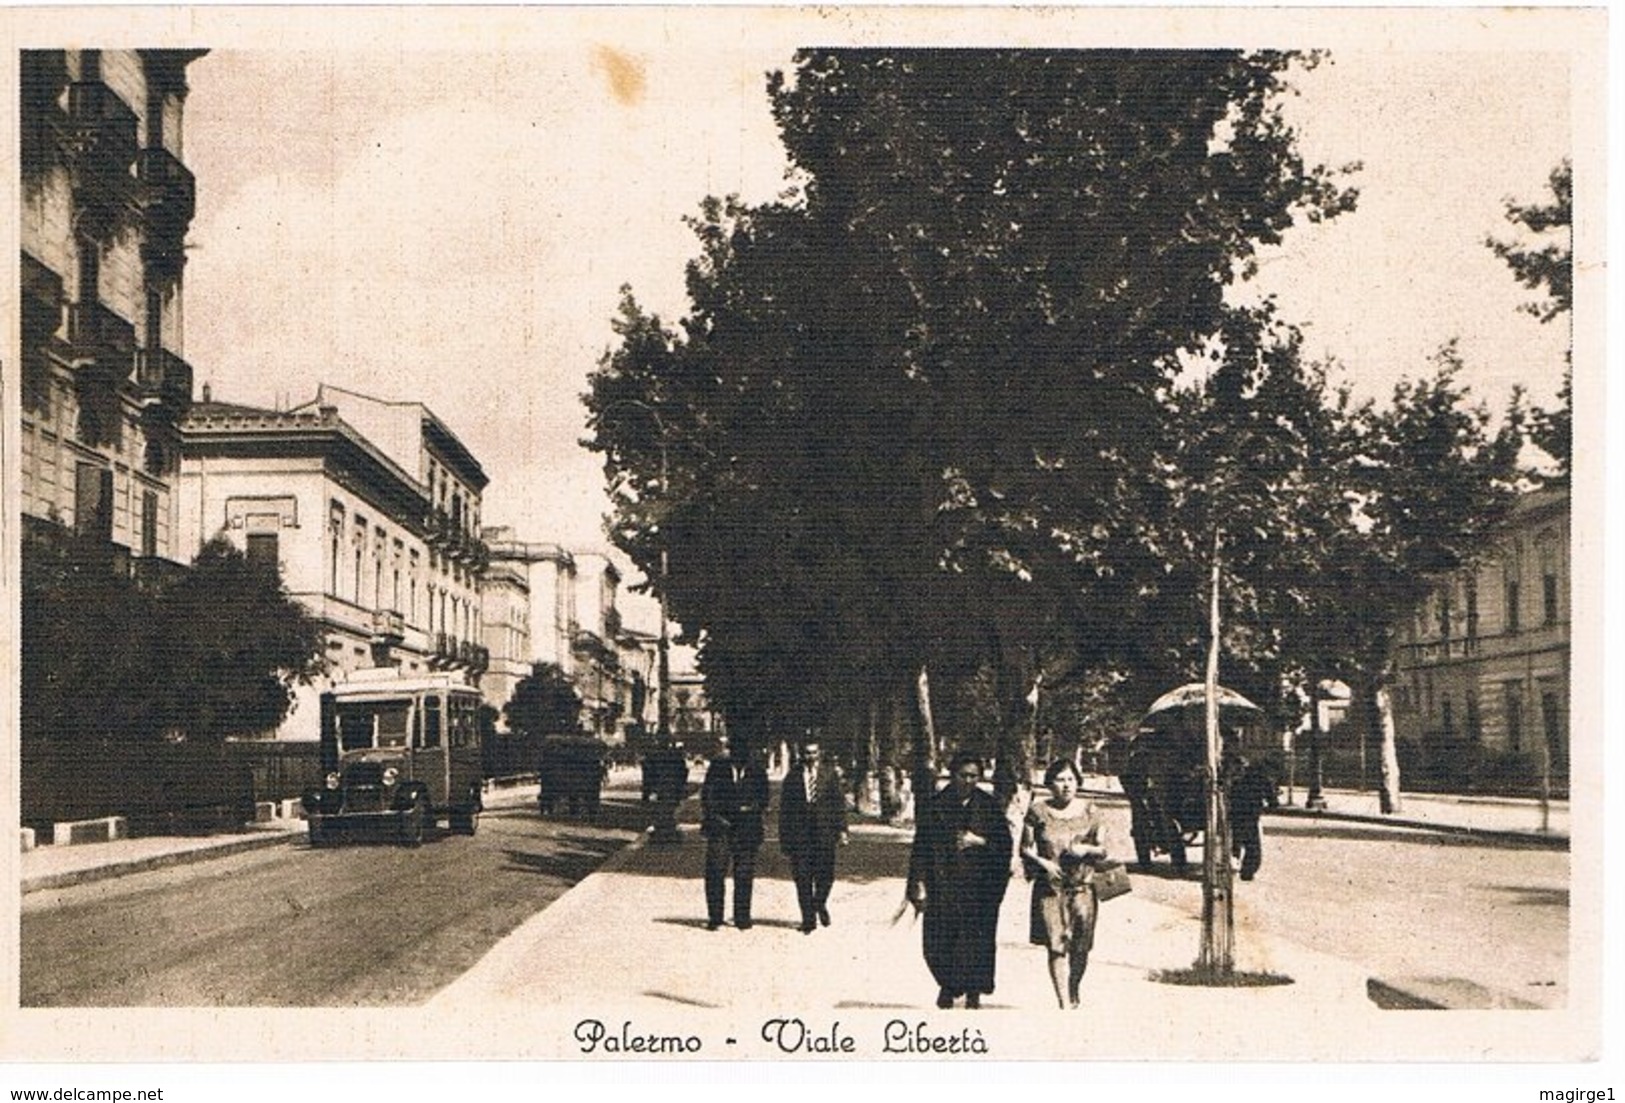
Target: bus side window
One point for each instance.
(462, 722)
(431, 721)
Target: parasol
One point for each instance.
(1194, 695)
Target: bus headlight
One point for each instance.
(332, 780)
(391, 775)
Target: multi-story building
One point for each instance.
(106, 203)
(575, 624)
(1485, 661)
(505, 629)
(370, 508)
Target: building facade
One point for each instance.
(575, 624)
(106, 203)
(370, 509)
(1484, 663)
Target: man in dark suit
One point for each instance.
(957, 875)
(733, 800)
(812, 824)
(1252, 790)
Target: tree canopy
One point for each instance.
(928, 409)
(1548, 266)
(208, 653)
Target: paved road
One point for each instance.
(371, 925)
(1403, 903)
(358, 925)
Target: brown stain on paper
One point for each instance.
(625, 73)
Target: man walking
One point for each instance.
(1252, 789)
(812, 824)
(733, 800)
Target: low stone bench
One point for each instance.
(103, 830)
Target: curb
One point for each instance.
(67, 878)
(1515, 838)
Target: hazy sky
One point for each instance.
(453, 227)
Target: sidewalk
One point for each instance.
(1511, 818)
(52, 867)
(626, 955)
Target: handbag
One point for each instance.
(1111, 881)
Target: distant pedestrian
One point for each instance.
(812, 825)
(1061, 843)
(733, 802)
(1252, 789)
(958, 871)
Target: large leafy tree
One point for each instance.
(544, 703)
(210, 653)
(234, 645)
(1431, 475)
(924, 397)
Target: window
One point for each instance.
(1444, 615)
(1472, 608)
(1447, 718)
(93, 501)
(1511, 605)
(335, 528)
(149, 522)
(1548, 596)
(1551, 720)
(431, 721)
(1512, 694)
(262, 551)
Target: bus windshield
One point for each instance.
(363, 725)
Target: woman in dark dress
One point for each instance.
(957, 875)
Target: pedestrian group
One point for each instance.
(959, 865)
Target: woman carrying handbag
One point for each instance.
(1061, 844)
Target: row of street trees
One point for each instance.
(969, 413)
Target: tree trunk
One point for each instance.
(1382, 715)
(924, 769)
(868, 762)
(1218, 907)
(1013, 772)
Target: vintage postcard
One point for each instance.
(919, 537)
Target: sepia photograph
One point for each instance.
(911, 538)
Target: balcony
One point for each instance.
(168, 192)
(99, 139)
(163, 379)
(96, 333)
(388, 627)
(101, 127)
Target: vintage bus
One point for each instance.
(398, 753)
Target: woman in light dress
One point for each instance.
(1061, 843)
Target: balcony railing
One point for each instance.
(101, 126)
(169, 191)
